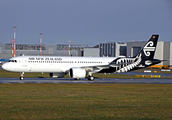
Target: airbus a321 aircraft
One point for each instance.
(83, 67)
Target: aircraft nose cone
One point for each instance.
(5, 66)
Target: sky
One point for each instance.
(87, 22)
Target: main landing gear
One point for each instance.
(91, 78)
(22, 74)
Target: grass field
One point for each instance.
(86, 101)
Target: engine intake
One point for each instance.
(77, 73)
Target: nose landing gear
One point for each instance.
(22, 74)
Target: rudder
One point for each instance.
(148, 51)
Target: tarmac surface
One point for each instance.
(85, 81)
(97, 80)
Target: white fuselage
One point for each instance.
(50, 64)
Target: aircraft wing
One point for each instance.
(95, 69)
(118, 65)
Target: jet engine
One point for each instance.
(56, 75)
(77, 73)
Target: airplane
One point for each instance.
(83, 67)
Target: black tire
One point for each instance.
(21, 78)
(91, 78)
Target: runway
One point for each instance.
(97, 80)
(85, 81)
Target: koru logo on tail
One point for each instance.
(147, 49)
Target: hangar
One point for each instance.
(47, 50)
(109, 49)
(163, 50)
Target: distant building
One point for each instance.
(91, 52)
(170, 54)
(134, 47)
(163, 51)
(47, 50)
(110, 49)
(113, 49)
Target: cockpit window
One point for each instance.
(12, 61)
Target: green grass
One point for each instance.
(86, 101)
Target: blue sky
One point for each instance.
(84, 21)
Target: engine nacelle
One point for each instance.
(77, 73)
(56, 75)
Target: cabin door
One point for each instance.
(24, 62)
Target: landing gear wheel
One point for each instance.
(22, 74)
(91, 78)
(21, 78)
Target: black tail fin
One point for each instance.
(148, 50)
